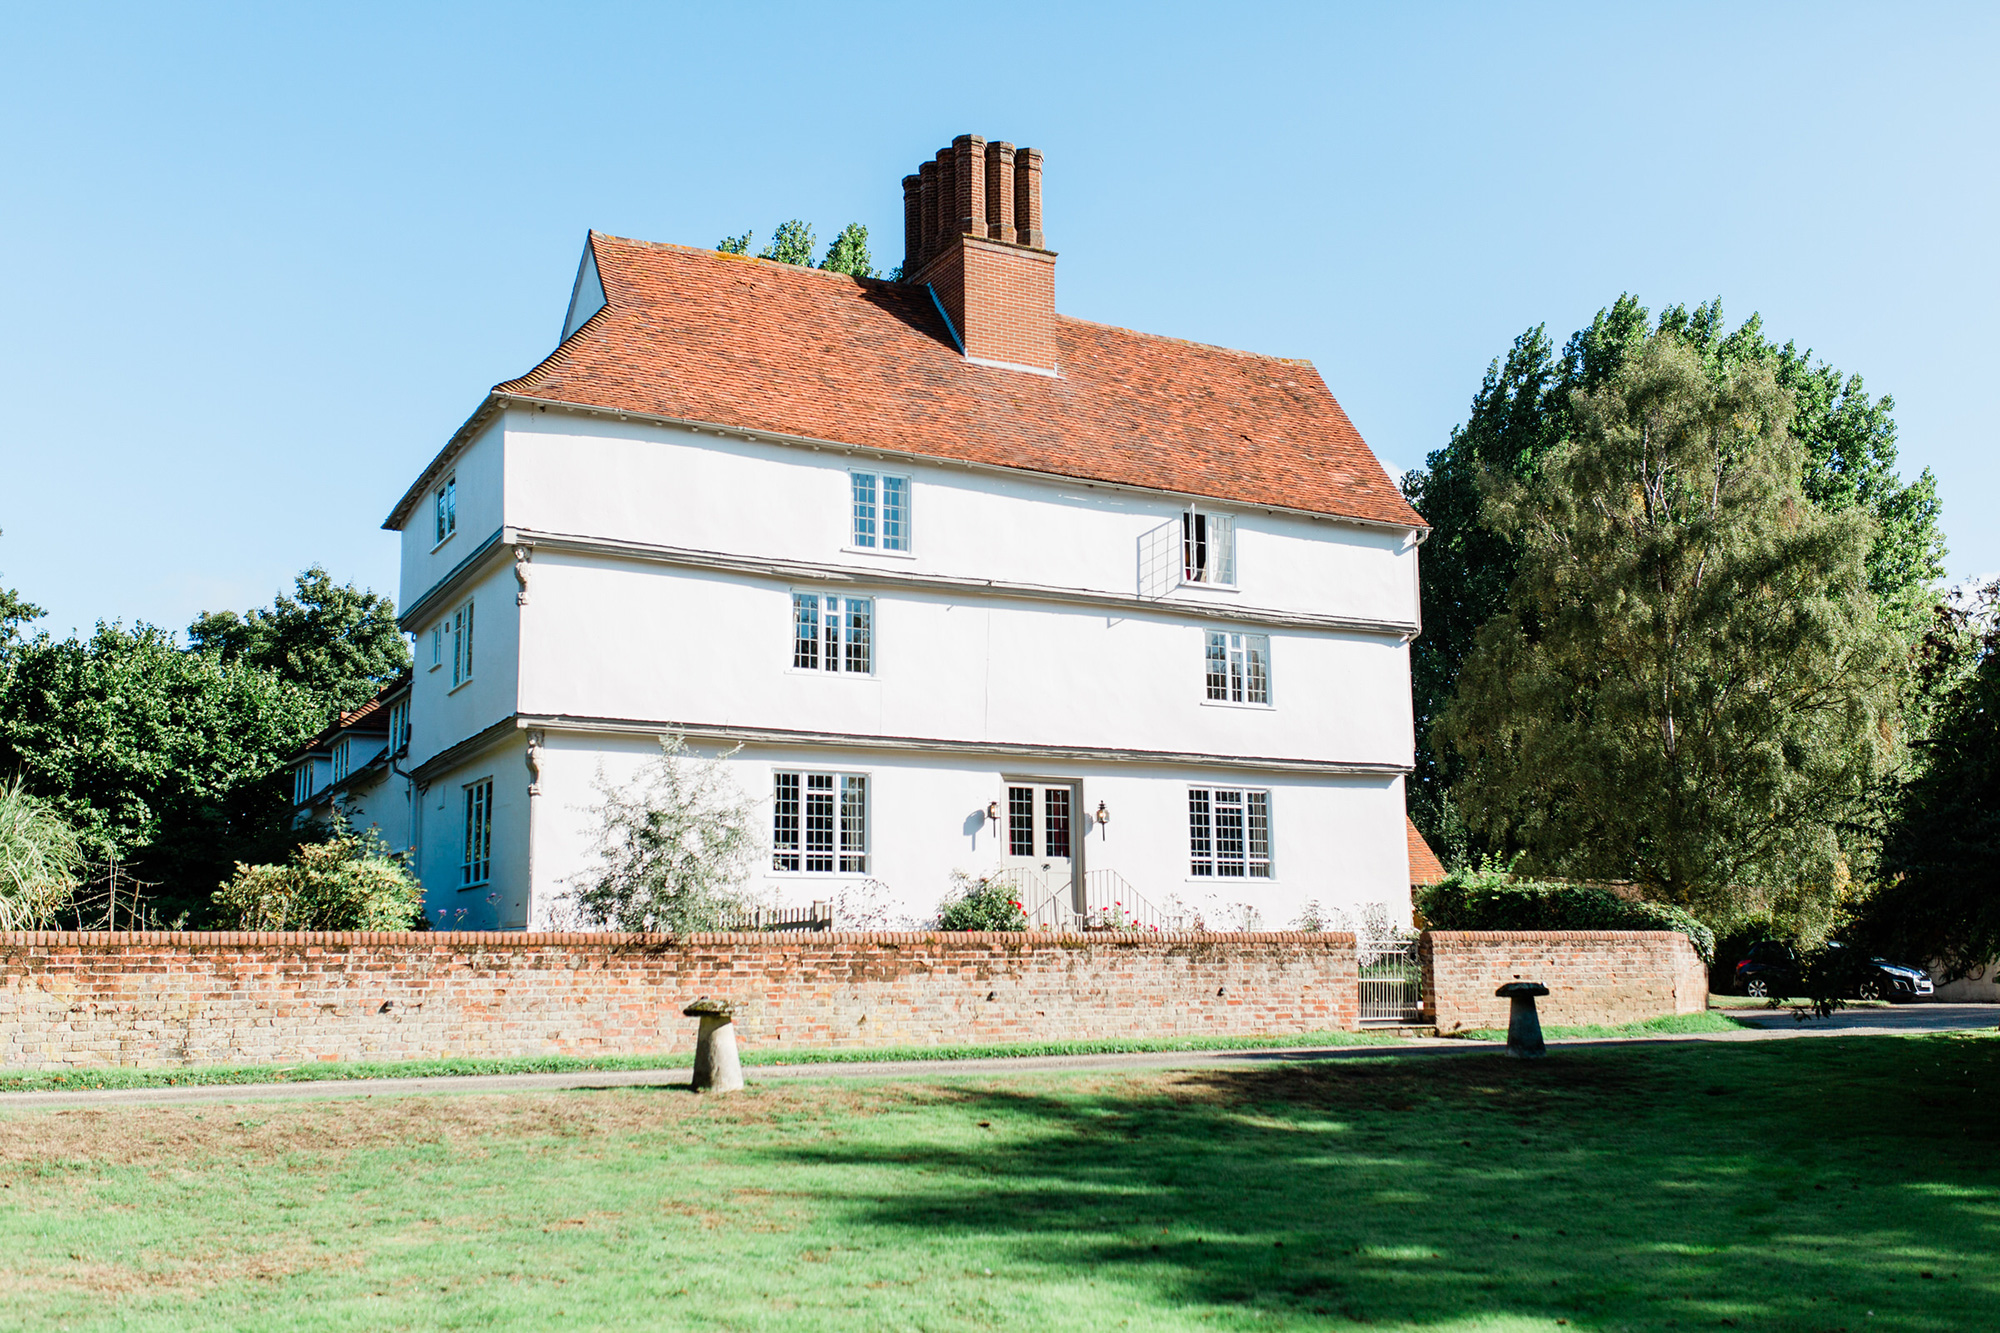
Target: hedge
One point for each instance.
(1491, 899)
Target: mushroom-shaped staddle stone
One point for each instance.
(716, 1068)
(1524, 1025)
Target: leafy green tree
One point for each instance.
(1688, 686)
(849, 253)
(170, 757)
(792, 243)
(1940, 900)
(674, 846)
(1525, 408)
(337, 641)
(15, 612)
(349, 881)
(41, 860)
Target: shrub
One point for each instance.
(980, 904)
(1490, 898)
(673, 848)
(349, 882)
(41, 860)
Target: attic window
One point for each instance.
(1208, 548)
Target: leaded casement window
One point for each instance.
(1239, 667)
(833, 633)
(819, 823)
(459, 631)
(881, 511)
(399, 725)
(1229, 833)
(445, 504)
(1208, 548)
(477, 866)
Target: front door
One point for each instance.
(1040, 834)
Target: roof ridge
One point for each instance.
(1184, 342)
(731, 258)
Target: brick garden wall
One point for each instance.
(1593, 976)
(69, 1000)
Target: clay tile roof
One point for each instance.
(1425, 868)
(700, 336)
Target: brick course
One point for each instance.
(1593, 976)
(70, 1000)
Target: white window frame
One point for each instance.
(460, 634)
(341, 763)
(1208, 549)
(303, 789)
(868, 519)
(1245, 678)
(444, 511)
(399, 725)
(799, 796)
(475, 867)
(836, 646)
(437, 645)
(1215, 813)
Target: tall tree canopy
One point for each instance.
(338, 642)
(792, 243)
(169, 754)
(15, 611)
(1526, 406)
(1940, 898)
(166, 756)
(1687, 685)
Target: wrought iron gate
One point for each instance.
(1392, 981)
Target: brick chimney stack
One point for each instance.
(972, 231)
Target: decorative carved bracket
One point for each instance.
(536, 739)
(523, 553)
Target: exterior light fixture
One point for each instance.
(993, 811)
(1103, 815)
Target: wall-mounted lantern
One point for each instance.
(1103, 815)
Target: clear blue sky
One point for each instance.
(257, 263)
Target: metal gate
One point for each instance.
(1392, 982)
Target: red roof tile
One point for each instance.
(701, 336)
(1425, 868)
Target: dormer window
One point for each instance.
(881, 511)
(445, 502)
(1208, 548)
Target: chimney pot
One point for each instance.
(913, 222)
(1000, 191)
(1028, 197)
(927, 174)
(968, 153)
(947, 214)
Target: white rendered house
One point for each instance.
(973, 586)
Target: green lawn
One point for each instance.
(1767, 1185)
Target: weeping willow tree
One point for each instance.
(41, 860)
(1689, 686)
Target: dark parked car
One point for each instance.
(1771, 968)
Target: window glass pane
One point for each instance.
(819, 822)
(478, 863)
(458, 647)
(1257, 811)
(832, 623)
(1194, 547)
(895, 514)
(1055, 821)
(1222, 547)
(860, 634)
(468, 640)
(1218, 665)
(1201, 842)
(1257, 653)
(1229, 833)
(864, 508)
(451, 506)
(805, 631)
(439, 504)
(1020, 821)
(785, 823)
(853, 825)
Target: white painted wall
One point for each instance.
(623, 640)
(666, 486)
(1336, 841)
(502, 903)
(626, 639)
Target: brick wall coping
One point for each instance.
(520, 939)
(1543, 936)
